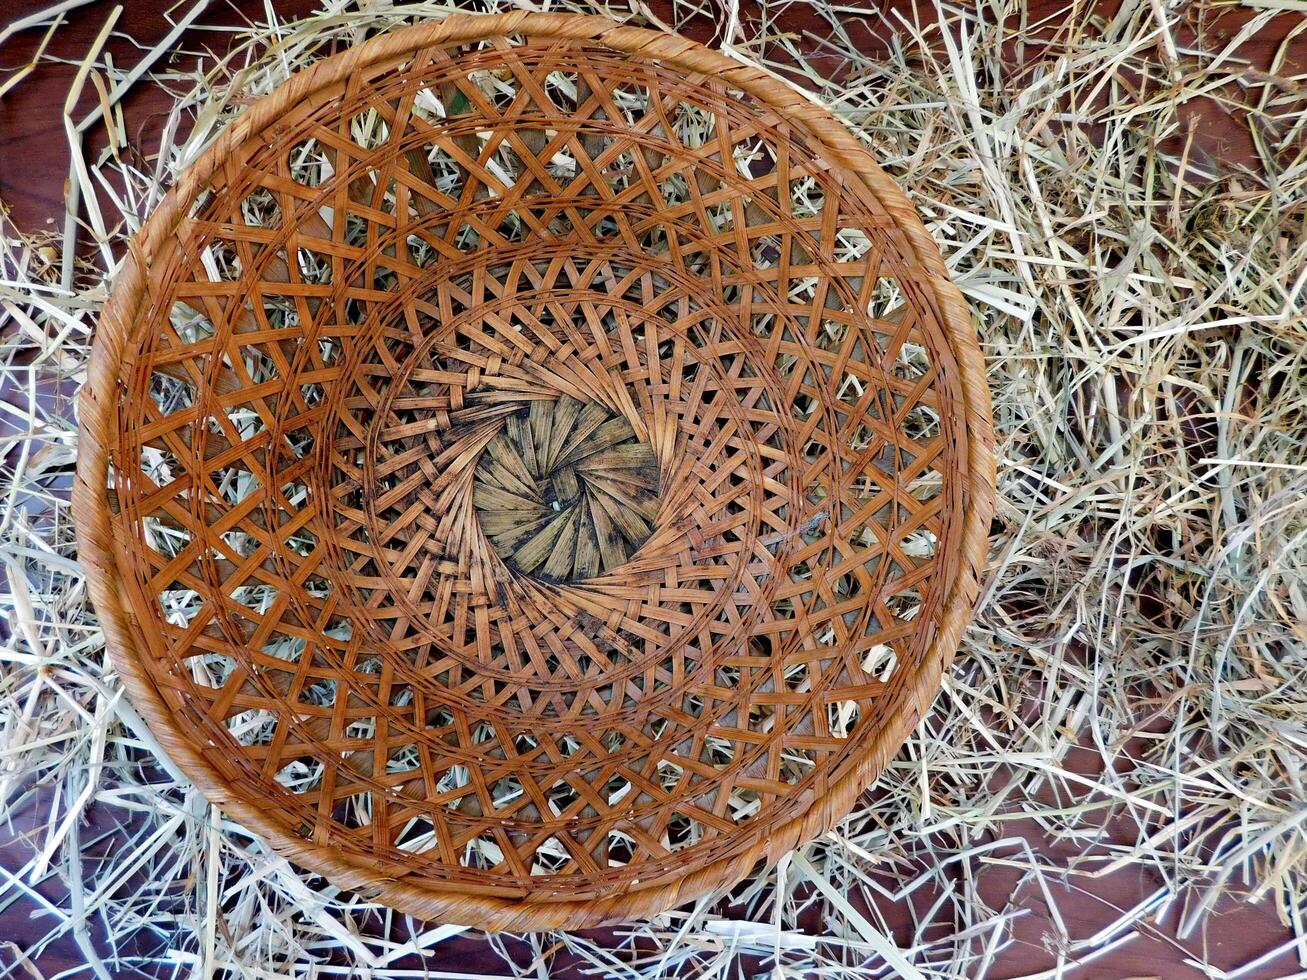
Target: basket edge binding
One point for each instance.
(97, 405)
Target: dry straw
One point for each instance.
(1141, 313)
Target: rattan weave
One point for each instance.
(533, 469)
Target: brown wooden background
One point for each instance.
(33, 166)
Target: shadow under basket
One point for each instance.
(533, 470)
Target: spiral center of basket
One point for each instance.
(565, 490)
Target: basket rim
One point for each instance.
(97, 404)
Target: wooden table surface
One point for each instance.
(33, 167)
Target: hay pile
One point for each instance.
(1129, 699)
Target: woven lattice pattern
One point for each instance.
(538, 475)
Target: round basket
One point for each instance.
(533, 470)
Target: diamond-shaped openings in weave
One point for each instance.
(354, 374)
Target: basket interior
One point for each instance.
(537, 471)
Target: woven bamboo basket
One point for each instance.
(533, 470)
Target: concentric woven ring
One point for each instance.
(533, 470)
